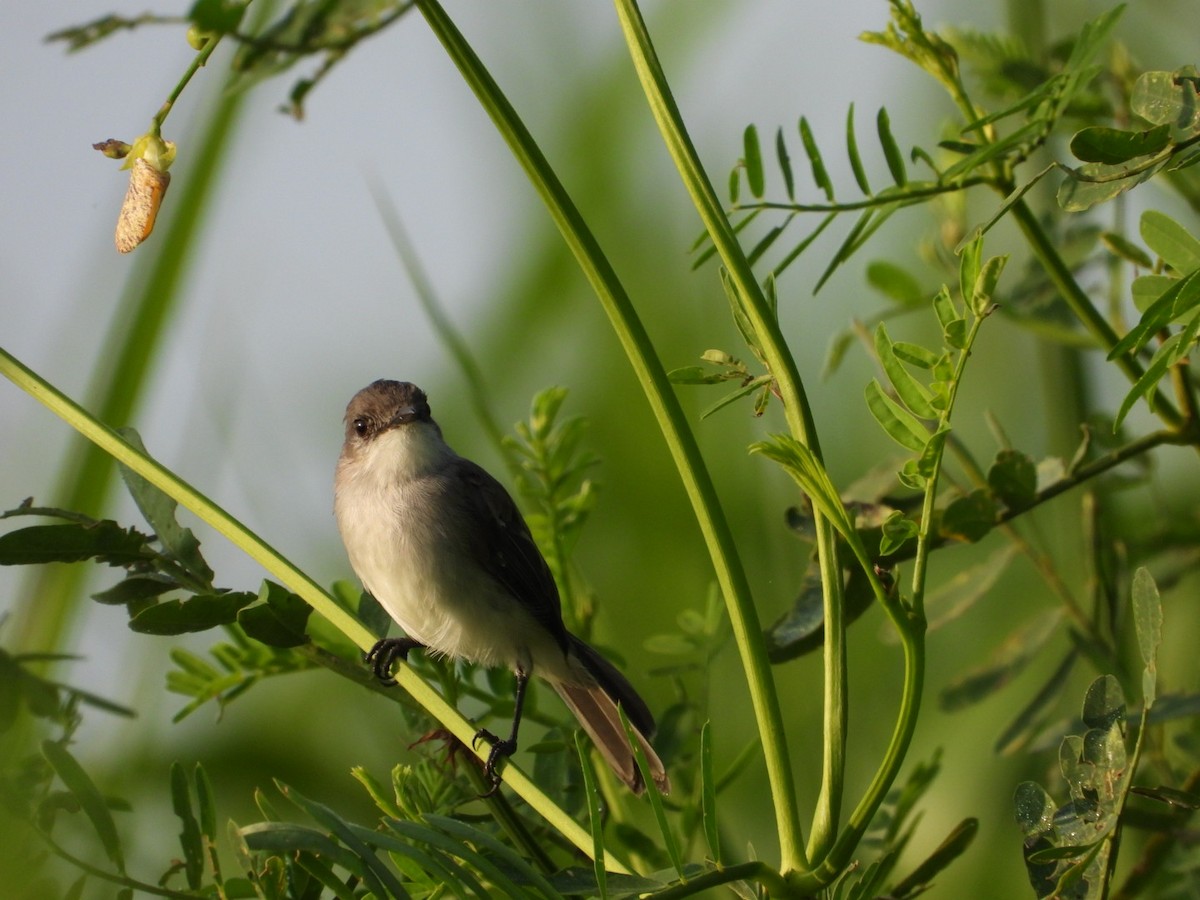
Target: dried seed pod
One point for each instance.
(147, 186)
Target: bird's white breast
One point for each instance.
(406, 548)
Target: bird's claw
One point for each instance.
(383, 656)
(500, 749)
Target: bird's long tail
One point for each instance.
(594, 702)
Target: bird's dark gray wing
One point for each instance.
(502, 545)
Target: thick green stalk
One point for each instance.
(110, 443)
(782, 366)
(650, 372)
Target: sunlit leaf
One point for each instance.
(1165, 98)
(856, 165)
(1104, 703)
(1003, 664)
(895, 283)
(911, 392)
(899, 424)
(820, 175)
(1170, 240)
(81, 786)
(891, 150)
(752, 158)
(1120, 246)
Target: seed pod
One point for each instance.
(147, 186)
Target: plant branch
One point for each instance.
(287, 574)
(782, 367)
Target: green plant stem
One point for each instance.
(287, 574)
(652, 375)
(782, 367)
(758, 872)
(131, 884)
(912, 642)
(195, 66)
(913, 192)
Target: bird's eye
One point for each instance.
(361, 426)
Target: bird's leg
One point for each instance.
(384, 654)
(503, 748)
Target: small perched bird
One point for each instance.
(443, 548)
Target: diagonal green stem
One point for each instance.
(291, 577)
(650, 372)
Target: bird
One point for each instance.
(442, 546)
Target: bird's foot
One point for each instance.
(501, 749)
(382, 657)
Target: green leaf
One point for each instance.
(959, 839)
(1164, 98)
(1104, 703)
(1125, 249)
(159, 510)
(814, 480)
(1171, 241)
(820, 175)
(1111, 145)
(1093, 183)
(135, 588)
(656, 801)
(190, 839)
(891, 151)
(198, 613)
(708, 795)
(912, 393)
(280, 620)
(466, 833)
(969, 518)
(1181, 297)
(1167, 355)
(595, 822)
(785, 164)
(206, 801)
(1034, 808)
(970, 260)
(105, 541)
(376, 875)
(221, 16)
(944, 308)
(856, 165)
(897, 530)
(83, 789)
(900, 425)
(1003, 663)
(1147, 615)
(1148, 288)
(753, 160)
(895, 283)
(1013, 478)
(965, 588)
(985, 284)
(1170, 796)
